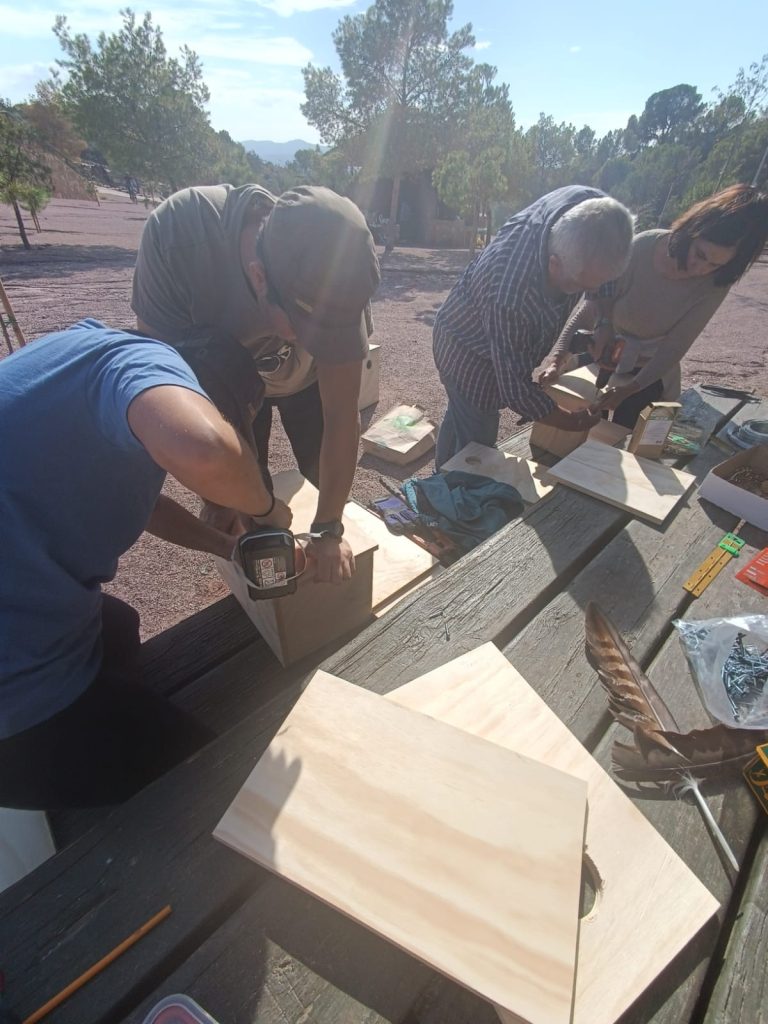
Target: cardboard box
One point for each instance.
(653, 425)
(369, 382)
(718, 489)
(402, 435)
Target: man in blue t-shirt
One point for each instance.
(91, 420)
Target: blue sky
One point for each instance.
(587, 64)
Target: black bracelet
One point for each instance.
(263, 515)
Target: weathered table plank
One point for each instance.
(680, 822)
(637, 579)
(493, 592)
(740, 994)
(170, 660)
(282, 957)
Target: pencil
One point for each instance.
(97, 967)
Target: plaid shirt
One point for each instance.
(500, 320)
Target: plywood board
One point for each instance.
(575, 389)
(556, 441)
(645, 488)
(529, 478)
(608, 432)
(464, 854)
(649, 904)
(398, 563)
(370, 379)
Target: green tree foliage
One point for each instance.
(53, 129)
(670, 115)
(146, 110)
(476, 171)
(24, 179)
(402, 73)
(225, 161)
(552, 154)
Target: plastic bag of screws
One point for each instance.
(729, 661)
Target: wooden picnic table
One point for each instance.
(253, 949)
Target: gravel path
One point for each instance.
(81, 266)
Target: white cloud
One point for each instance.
(287, 8)
(30, 23)
(484, 45)
(280, 50)
(21, 79)
(574, 49)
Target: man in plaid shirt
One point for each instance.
(505, 312)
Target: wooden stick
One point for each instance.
(12, 321)
(97, 967)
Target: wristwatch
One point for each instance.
(334, 528)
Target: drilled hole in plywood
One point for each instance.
(591, 888)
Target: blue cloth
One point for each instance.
(76, 491)
(465, 506)
(500, 318)
(463, 423)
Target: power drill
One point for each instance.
(583, 343)
(269, 557)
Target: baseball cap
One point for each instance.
(320, 259)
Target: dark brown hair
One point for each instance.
(737, 216)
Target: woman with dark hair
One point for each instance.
(672, 287)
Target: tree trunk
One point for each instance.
(488, 224)
(475, 222)
(20, 222)
(394, 206)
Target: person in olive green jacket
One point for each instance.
(222, 270)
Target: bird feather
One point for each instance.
(660, 753)
(632, 697)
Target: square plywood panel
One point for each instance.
(648, 489)
(529, 478)
(648, 904)
(463, 853)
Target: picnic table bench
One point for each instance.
(253, 949)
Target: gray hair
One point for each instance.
(594, 231)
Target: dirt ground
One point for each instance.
(81, 266)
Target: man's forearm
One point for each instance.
(338, 460)
(172, 522)
(582, 318)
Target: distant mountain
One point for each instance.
(278, 152)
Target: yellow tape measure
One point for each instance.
(728, 548)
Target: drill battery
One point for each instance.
(268, 557)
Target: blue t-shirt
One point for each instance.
(76, 491)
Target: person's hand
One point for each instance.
(551, 368)
(601, 348)
(612, 398)
(280, 516)
(332, 558)
(564, 420)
